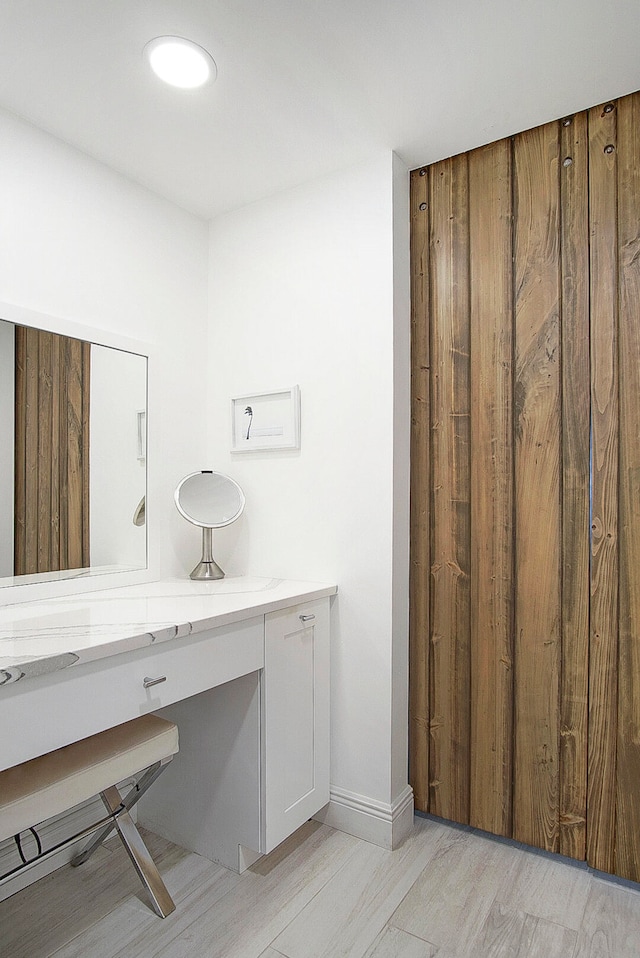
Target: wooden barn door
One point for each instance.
(51, 452)
(525, 594)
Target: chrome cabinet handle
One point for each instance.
(147, 682)
(306, 618)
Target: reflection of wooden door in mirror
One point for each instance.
(51, 452)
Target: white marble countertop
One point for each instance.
(37, 638)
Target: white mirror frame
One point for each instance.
(209, 525)
(59, 585)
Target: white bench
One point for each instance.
(45, 786)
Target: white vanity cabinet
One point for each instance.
(295, 705)
(254, 751)
(241, 667)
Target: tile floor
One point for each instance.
(448, 892)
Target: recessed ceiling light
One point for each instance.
(181, 62)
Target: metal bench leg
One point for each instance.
(91, 846)
(127, 802)
(138, 852)
(131, 839)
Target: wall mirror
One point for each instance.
(210, 500)
(73, 470)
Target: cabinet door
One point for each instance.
(295, 719)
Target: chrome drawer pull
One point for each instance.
(147, 682)
(306, 618)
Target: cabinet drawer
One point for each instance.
(49, 712)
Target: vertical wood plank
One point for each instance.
(450, 477)
(575, 483)
(56, 404)
(603, 660)
(571, 567)
(85, 438)
(537, 486)
(63, 426)
(491, 310)
(627, 851)
(51, 452)
(419, 627)
(32, 462)
(45, 435)
(20, 450)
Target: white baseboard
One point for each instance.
(377, 822)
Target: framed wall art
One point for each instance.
(269, 420)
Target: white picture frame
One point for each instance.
(268, 420)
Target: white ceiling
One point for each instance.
(305, 86)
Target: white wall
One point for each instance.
(80, 242)
(303, 290)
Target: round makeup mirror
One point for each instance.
(210, 500)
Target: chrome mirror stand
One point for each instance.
(207, 568)
(210, 500)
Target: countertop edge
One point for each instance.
(292, 592)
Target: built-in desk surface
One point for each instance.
(38, 638)
(242, 664)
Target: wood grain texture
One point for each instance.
(63, 503)
(450, 901)
(576, 388)
(51, 528)
(394, 943)
(57, 401)
(553, 284)
(248, 919)
(537, 486)
(45, 439)
(30, 446)
(69, 902)
(349, 913)
(491, 317)
(450, 661)
(516, 934)
(547, 887)
(20, 452)
(85, 434)
(603, 661)
(419, 627)
(627, 850)
(98, 910)
(611, 927)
